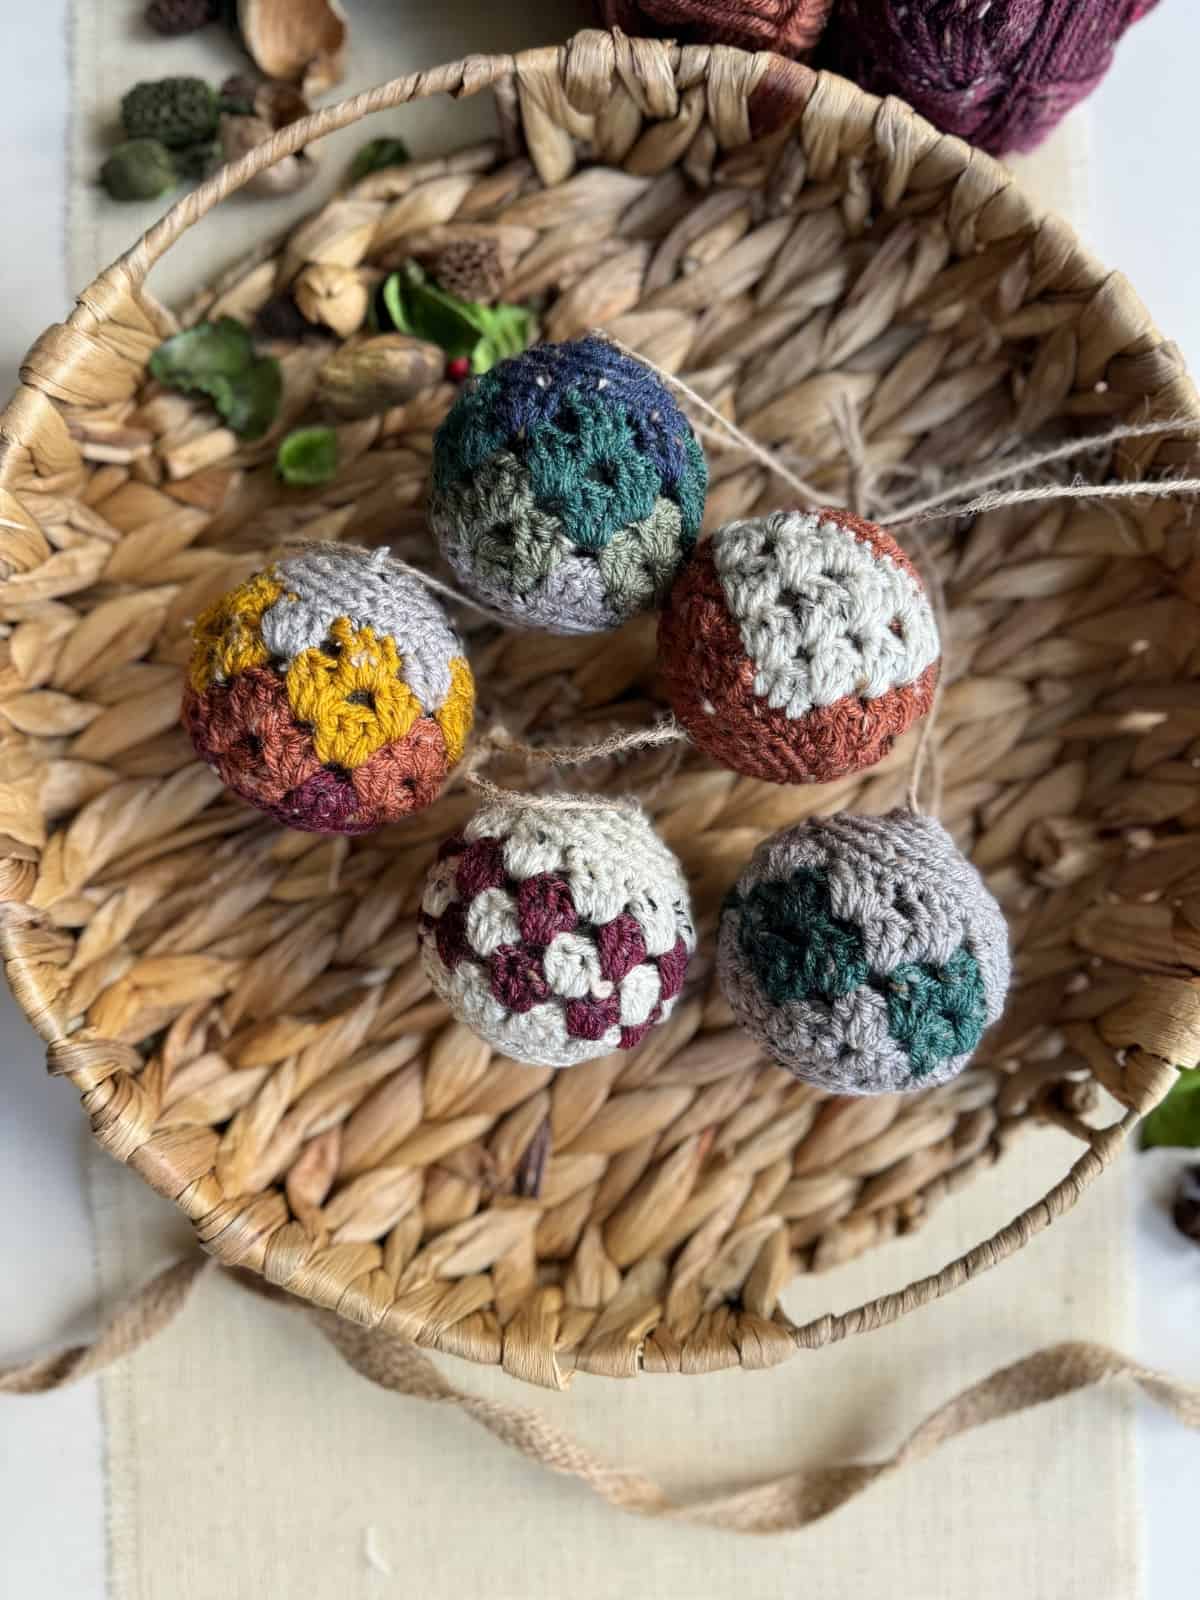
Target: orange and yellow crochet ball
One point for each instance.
(330, 690)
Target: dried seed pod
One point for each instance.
(175, 111)
(139, 169)
(472, 269)
(176, 17)
(1186, 1207)
(274, 106)
(359, 379)
(337, 297)
(297, 41)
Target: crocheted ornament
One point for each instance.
(567, 487)
(330, 691)
(557, 934)
(796, 647)
(865, 953)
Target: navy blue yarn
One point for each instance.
(509, 402)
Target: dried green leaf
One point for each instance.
(217, 359)
(254, 397)
(377, 154)
(307, 457)
(210, 349)
(464, 329)
(1176, 1120)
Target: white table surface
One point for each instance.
(1146, 216)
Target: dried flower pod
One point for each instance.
(196, 161)
(359, 379)
(238, 92)
(176, 17)
(139, 169)
(1186, 1208)
(338, 297)
(175, 111)
(472, 269)
(281, 318)
(298, 41)
(275, 105)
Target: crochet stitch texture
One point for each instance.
(567, 487)
(797, 646)
(558, 935)
(330, 691)
(864, 952)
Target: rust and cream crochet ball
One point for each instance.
(797, 647)
(330, 691)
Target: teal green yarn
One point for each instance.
(794, 945)
(937, 1012)
(691, 491)
(797, 949)
(586, 470)
(471, 433)
(606, 485)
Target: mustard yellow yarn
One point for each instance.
(355, 700)
(458, 711)
(226, 637)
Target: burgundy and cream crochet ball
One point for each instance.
(559, 935)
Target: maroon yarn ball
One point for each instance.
(789, 27)
(1000, 75)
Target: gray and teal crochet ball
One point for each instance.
(568, 487)
(864, 953)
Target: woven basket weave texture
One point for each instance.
(240, 1007)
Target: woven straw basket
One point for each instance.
(240, 1007)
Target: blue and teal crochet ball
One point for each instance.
(568, 487)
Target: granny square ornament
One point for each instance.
(864, 953)
(797, 646)
(567, 487)
(330, 691)
(558, 933)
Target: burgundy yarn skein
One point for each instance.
(1000, 75)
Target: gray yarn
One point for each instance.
(903, 883)
(571, 600)
(327, 581)
(515, 556)
(821, 614)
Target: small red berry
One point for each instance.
(459, 369)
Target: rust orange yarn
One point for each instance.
(716, 685)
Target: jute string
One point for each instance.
(861, 479)
(500, 741)
(778, 1504)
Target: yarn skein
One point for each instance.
(567, 487)
(796, 647)
(789, 27)
(558, 935)
(1000, 75)
(330, 691)
(864, 953)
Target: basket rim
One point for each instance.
(748, 96)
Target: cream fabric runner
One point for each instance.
(246, 1460)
